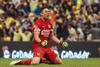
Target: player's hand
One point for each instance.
(64, 44)
(44, 43)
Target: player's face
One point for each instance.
(45, 13)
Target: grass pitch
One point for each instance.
(91, 62)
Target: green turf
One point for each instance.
(91, 62)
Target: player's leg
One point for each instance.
(35, 61)
(53, 57)
(57, 60)
(23, 62)
(45, 60)
(38, 54)
(15, 62)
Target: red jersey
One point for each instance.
(45, 29)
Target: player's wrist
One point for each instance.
(61, 43)
(64, 44)
(38, 41)
(41, 42)
(44, 43)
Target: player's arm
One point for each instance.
(36, 35)
(54, 38)
(37, 39)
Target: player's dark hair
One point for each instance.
(42, 9)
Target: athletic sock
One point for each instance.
(26, 62)
(44, 60)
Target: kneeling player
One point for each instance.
(43, 30)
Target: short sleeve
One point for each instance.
(37, 26)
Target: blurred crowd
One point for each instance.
(73, 20)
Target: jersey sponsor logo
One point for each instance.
(45, 33)
(49, 26)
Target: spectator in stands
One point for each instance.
(95, 31)
(3, 30)
(11, 10)
(25, 7)
(2, 18)
(37, 11)
(92, 18)
(80, 34)
(95, 6)
(1, 9)
(6, 37)
(62, 29)
(72, 33)
(33, 4)
(26, 35)
(67, 14)
(11, 30)
(25, 22)
(69, 2)
(80, 13)
(16, 3)
(17, 34)
(84, 29)
(10, 20)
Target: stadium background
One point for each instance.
(75, 21)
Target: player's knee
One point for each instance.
(59, 62)
(34, 63)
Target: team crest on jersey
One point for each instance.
(49, 26)
(38, 54)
